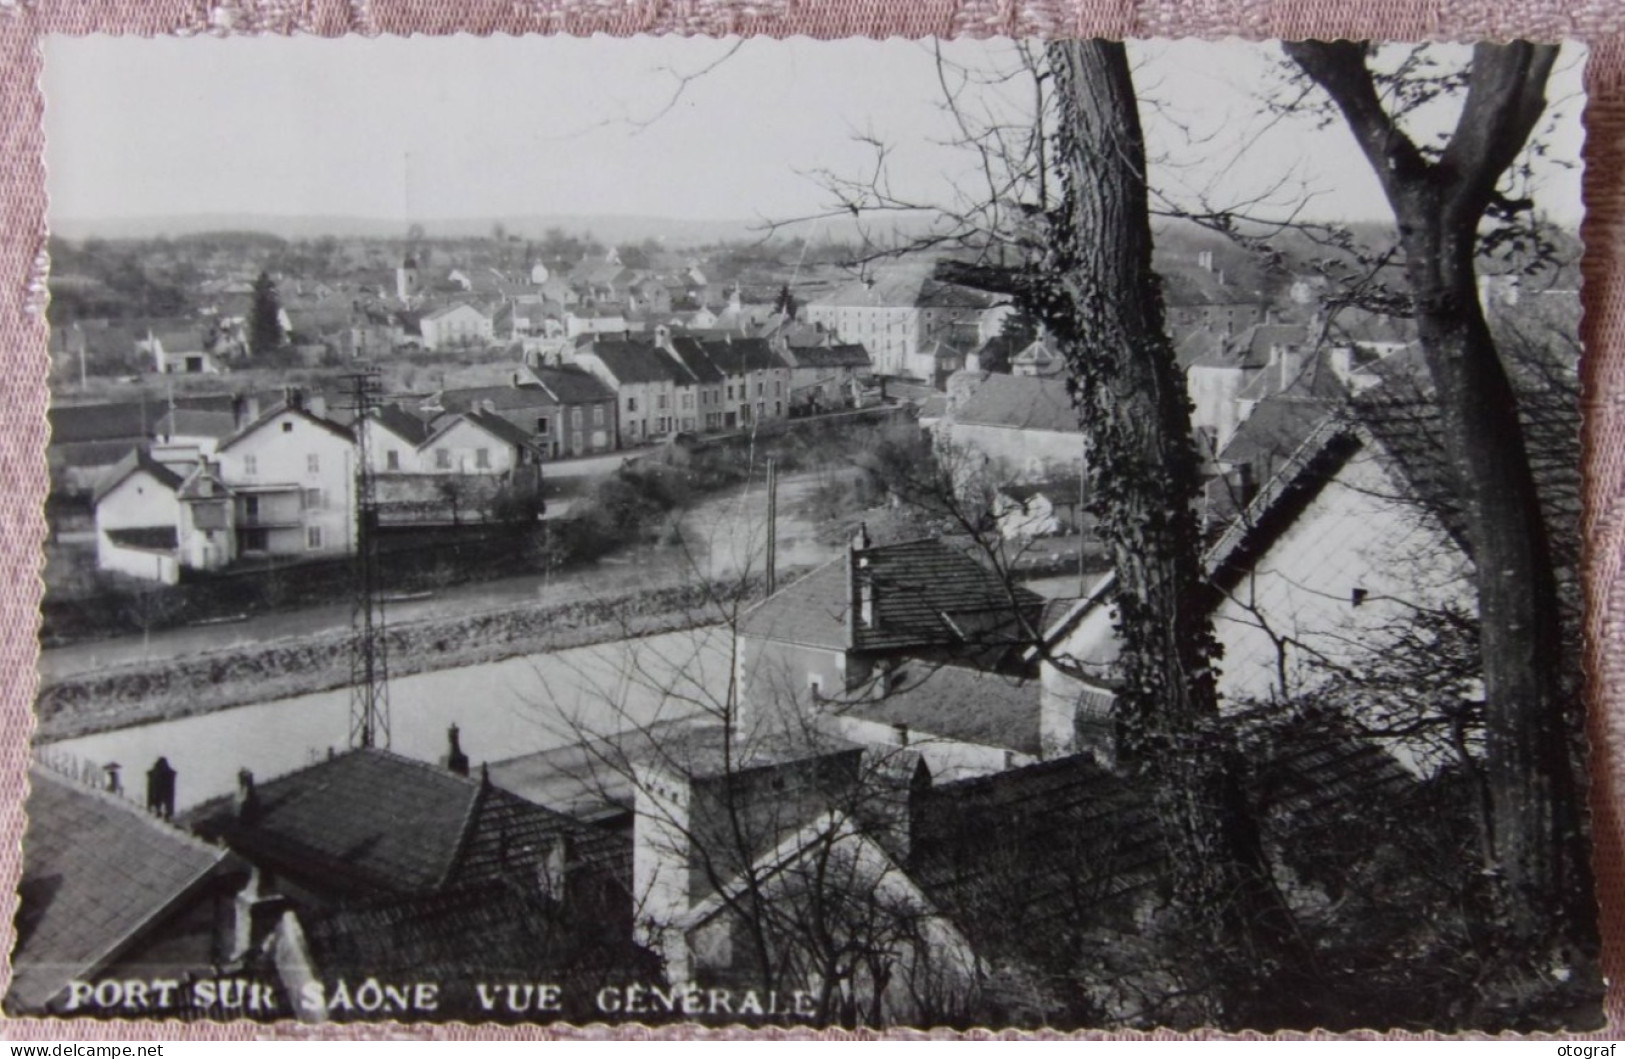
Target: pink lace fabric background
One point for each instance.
(1599, 23)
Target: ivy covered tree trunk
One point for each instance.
(1536, 850)
(1099, 298)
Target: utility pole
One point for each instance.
(772, 525)
(369, 653)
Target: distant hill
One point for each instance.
(607, 228)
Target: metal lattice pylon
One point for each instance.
(369, 652)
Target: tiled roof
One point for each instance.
(1020, 403)
(303, 413)
(925, 594)
(499, 931)
(130, 420)
(404, 425)
(736, 356)
(373, 822)
(1074, 836)
(572, 385)
(635, 362)
(193, 422)
(498, 428)
(498, 398)
(951, 702)
(845, 355)
(691, 351)
(97, 871)
(138, 459)
(1068, 835)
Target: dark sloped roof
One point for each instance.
(634, 362)
(499, 398)
(303, 413)
(493, 932)
(97, 871)
(844, 355)
(130, 420)
(951, 702)
(1070, 836)
(1020, 403)
(498, 427)
(137, 459)
(925, 594)
(197, 422)
(1405, 419)
(572, 385)
(404, 425)
(736, 356)
(692, 353)
(369, 821)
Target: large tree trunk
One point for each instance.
(1535, 846)
(1101, 302)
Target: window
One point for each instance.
(313, 464)
(730, 392)
(758, 388)
(575, 442)
(442, 459)
(251, 465)
(660, 402)
(313, 500)
(251, 508)
(778, 388)
(313, 536)
(597, 415)
(393, 460)
(482, 459)
(575, 418)
(541, 424)
(287, 426)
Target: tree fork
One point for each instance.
(1538, 859)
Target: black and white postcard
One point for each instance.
(889, 534)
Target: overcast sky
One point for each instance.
(464, 127)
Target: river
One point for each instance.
(504, 709)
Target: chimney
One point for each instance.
(662, 861)
(255, 915)
(247, 799)
(110, 778)
(161, 789)
(455, 759)
(550, 873)
(899, 730)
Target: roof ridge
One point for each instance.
(465, 832)
(39, 769)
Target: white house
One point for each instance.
(475, 442)
(1325, 571)
(392, 438)
(455, 326)
(137, 514)
(293, 476)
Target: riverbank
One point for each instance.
(144, 693)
